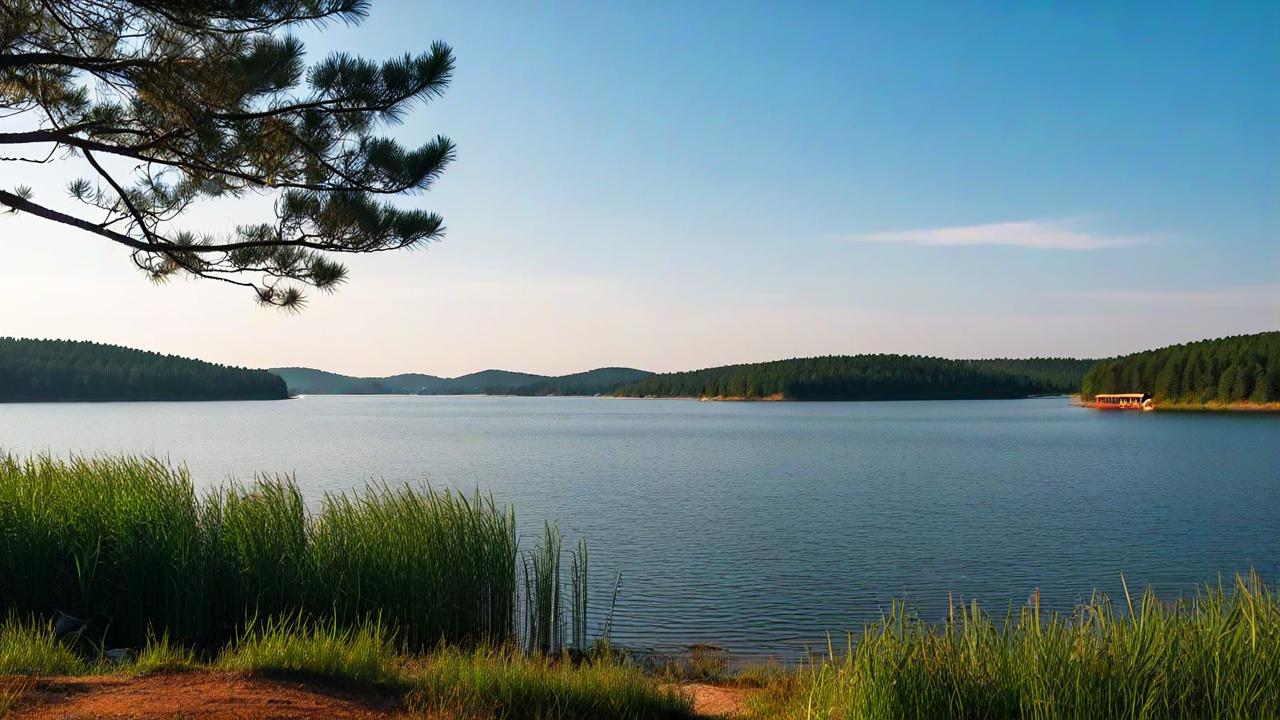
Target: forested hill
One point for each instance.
(307, 381)
(591, 382)
(1238, 369)
(485, 382)
(45, 370)
(870, 377)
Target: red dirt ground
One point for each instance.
(192, 696)
(714, 701)
(205, 695)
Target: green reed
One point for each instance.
(1216, 655)
(127, 545)
(258, 550)
(543, 619)
(578, 591)
(117, 538)
(434, 565)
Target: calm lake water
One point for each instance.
(760, 526)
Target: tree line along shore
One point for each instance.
(1234, 373)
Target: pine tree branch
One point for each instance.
(90, 64)
(21, 204)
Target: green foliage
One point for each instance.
(257, 549)
(166, 104)
(161, 654)
(869, 377)
(115, 540)
(507, 685)
(1242, 368)
(578, 593)
(127, 545)
(364, 653)
(477, 684)
(543, 593)
(28, 647)
(433, 564)
(43, 370)
(1214, 656)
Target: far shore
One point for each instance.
(1248, 407)
(1211, 407)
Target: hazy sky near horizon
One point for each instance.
(672, 185)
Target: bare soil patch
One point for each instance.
(715, 701)
(193, 696)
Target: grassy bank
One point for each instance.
(1216, 655)
(479, 683)
(1215, 406)
(127, 546)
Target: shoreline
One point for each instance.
(1209, 407)
(779, 397)
(1221, 407)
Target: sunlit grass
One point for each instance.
(365, 653)
(484, 684)
(478, 684)
(1214, 656)
(28, 647)
(160, 654)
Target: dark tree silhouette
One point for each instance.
(45, 370)
(166, 103)
(870, 377)
(1235, 369)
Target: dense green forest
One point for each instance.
(1243, 368)
(43, 370)
(870, 377)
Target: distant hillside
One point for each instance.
(306, 381)
(412, 383)
(494, 382)
(1239, 369)
(869, 377)
(49, 370)
(591, 382)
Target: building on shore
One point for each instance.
(1123, 401)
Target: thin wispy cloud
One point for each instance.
(1243, 296)
(1034, 234)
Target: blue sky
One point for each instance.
(670, 185)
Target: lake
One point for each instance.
(761, 526)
